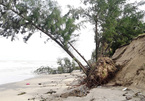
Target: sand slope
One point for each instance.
(132, 60)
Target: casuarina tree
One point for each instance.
(115, 23)
(28, 16)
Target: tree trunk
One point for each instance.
(73, 57)
(80, 55)
(96, 41)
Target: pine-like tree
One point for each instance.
(115, 22)
(29, 16)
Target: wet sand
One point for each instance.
(49, 88)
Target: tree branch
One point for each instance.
(80, 55)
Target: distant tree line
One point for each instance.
(65, 65)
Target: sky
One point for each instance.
(36, 49)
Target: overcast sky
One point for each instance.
(35, 49)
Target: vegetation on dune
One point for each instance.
(115, 22)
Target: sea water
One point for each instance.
(18, 70)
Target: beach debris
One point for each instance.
(43, 99)
(27, 83)
(32, 99)
(139, 95)
(142, 98)
(134, 96)
(124, 89)
(51, 92)
(22, 93)
(125, 93)
(93, 99)
(128, 97)
(39, 83)
(79, 91)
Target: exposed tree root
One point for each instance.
(103, 70)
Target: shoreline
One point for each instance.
(17, 81)
(49, 87)
(38, 86)
(17, 78)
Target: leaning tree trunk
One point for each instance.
(89, 65)
(64, 48)
(54, 39)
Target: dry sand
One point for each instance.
(41, 87)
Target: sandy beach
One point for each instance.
(50, 87)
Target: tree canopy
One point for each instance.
(115, 22)
(31, 15)
(28, 16)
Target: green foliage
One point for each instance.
(116, 23)
(65, 66)
(129, 26)
(102, 14)
(44, 70)
(32, 15)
